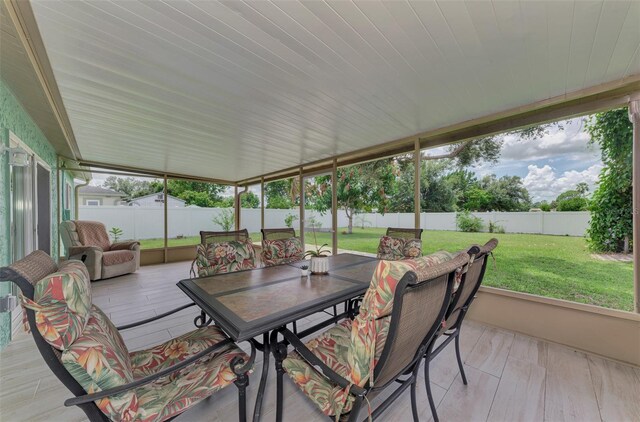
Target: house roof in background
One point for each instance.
(98, 190)
(159, 195)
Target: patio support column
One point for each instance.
(236, 207)
(334, 207)
(262, 203)
(166, 217)
(416, 183)
(301, 195)
(634, 116)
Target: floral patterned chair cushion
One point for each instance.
(225, 257)
(353, 348)
(332, 347)
(412, 248)
(395, 249)
(171, 395)
(62, 304)
(282, 251)
(99, 360)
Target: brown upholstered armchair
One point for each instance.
(103, 258)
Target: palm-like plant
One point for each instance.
(318, 252)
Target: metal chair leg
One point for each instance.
(355, 409)
(414, 404)
(462, 374)
(242, 382)
(279, 353)
(427, 383)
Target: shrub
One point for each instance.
(495, 227)
(611, 225)
(468, 222)
(115, 232)
(225, 219)
(289, 219)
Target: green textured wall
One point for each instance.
(14, 118)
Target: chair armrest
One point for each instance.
(129, 245)
(155, 318)
(91, 256)
(87, 398)
(316, 362)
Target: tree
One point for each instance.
(478, 199)
(436, 193)
(611, 225)
(279, 194)
(464, 183)
(543, 205)
(202, 194)
(487, 149)
(573, 199)
(506, 193)
(249, 200)
(130, 186)
(365, 187)
(200, 199)
(582, 188)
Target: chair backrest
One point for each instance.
(26, 273)
(278, 234)
(420, 302)
(217, 237)
(69, 234)
(93, 233)
(470, 284)
(400, 313)
(223, 257)
(402, 233)
(397, 248)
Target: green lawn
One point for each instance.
(553, 266)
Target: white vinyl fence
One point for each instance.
(148, 222)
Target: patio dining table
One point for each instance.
(251, 303)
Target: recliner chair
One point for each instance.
(103, 258)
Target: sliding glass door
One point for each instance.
(22, 211)
(30, 204)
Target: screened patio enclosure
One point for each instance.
(248, 93)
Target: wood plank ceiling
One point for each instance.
(233, 90)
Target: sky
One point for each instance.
(549, 165)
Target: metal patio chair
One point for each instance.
(278, 234)
(223, 252)
(353, 361)
(403, 233)
(217, 237)
(457, 310)
(87, 354)
(400, 243)
(281, 246)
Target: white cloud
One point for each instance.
(571, 143)
(544, 183)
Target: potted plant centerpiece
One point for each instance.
(319, 263)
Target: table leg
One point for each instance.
(266, 351)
